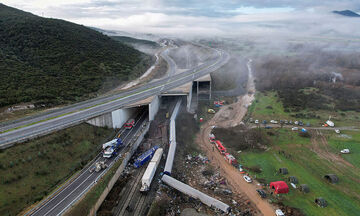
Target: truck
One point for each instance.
(98, 166)
(130, 124)
(111, 148)
(231, 159)
(220, 147)
(150, 170)
(142, 159)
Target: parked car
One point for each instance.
(247, 179)
(294, 128)
(278, 212)
(256, 121)
(211, 111)
(273, 121)
(296, 122)
(301, 123)
(337, 131)
(261, 193)
(241, 169)
(345, 151)
(267, 127)
(290, 122)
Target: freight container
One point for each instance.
(150, 171)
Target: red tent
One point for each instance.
(279, 187)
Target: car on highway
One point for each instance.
(294, 128)
(273, 122)
(130, 124)
(261, 193)
(267, 127)
(247, 179)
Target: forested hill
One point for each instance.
(51, 61)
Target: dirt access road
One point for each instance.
(230, 116)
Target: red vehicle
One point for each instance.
(230, 159)
(220, 147)
(130, 124)
(219, 103)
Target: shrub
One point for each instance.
(304, 134)
(255, 169)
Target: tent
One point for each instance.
(321, 202)
(332, 178)
(304, 188)
(283, 171)
(293, 179)
(279, 187)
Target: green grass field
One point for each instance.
(309, 169)
(349, 140)
(268, 106)
(30, 171)
(288, 149)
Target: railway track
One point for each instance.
(129, 193)
(131, 201)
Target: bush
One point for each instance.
(41, 173)
(304, 134)
(255, 169)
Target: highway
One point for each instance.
(20, 131)
(68, 194)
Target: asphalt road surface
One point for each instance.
(70, 193)
(74, 114)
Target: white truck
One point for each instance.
(150, 171)
(110, 148)
(98, 166)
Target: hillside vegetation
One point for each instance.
(51, 61)
(134, 41)
(313, 81)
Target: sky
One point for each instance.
(203, 17)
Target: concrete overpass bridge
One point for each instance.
(114, 110)
(193, 91)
